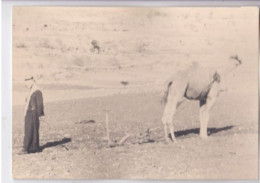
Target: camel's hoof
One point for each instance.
(204, 136)
(169, 141)
(174, 141)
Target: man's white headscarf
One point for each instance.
(32, 90)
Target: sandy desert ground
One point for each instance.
(141, 47)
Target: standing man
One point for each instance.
(32, 112)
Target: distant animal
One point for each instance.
(194, 83)
(95, 46)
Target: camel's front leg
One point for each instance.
(205, 107)
(203, 125)
(166, 133)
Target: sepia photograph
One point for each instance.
(165, 93)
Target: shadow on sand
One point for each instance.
(197, 131)
(56, 143)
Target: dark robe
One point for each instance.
(31, 128)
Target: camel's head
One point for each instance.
(237, 60)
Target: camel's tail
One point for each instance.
(165, 96)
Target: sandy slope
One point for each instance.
(57, 47)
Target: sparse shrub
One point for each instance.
(61, 75)
(68, 75)
(21, 45)
(46, 44)
(155, 13)
(87, 69)
(78, 62)
(142, 47)
(124, 83)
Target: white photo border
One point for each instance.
(6, 69)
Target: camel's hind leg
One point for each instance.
(175, 96)
(205, 107)
(167, 120)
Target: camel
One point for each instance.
(194, 83)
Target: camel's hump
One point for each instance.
(197, 79)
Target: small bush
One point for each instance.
(46, 44)
(78, 62)
(21, 45)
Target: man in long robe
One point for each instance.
(34, 109)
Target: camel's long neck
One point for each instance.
(228, 69)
